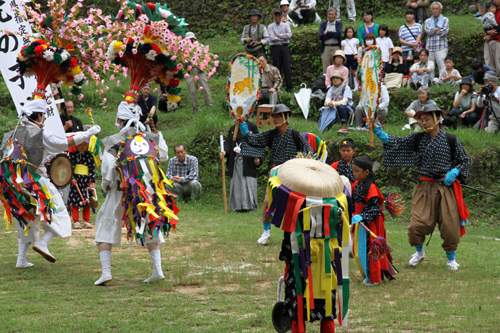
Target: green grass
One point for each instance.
(218, 279)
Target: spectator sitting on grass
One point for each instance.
(478, 71)
(424, 99)
(448, 75)
(464, 105)
(338, 104)
(421, 70)
(395, 70)
(338, 60)
(183, 171)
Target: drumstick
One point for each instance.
(74, 182)
(89, 112)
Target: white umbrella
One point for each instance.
(303, 97)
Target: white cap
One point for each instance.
(35, 105)
(190, 35)
(284, 2)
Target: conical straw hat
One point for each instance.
(311, 178)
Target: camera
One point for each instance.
(298, 3)
(251, 44)
(487, 89)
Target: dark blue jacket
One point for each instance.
(323, 37)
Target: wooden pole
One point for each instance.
(370, 121)
(223, 172)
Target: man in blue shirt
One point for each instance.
(183, 171)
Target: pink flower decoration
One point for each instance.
(215, 56)
(112, 77)
(200, 88)
(134, 51)
(104, 100)
(155, 90)
(186, 76)
(120, 54)
(81, 97)
(173, 58)
(87, 83)
(196, 78)
(189, 68)
(118, 83)
(216, 63)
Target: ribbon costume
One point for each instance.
(315, 245)
(136, 191)
(437, 200)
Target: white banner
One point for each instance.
(21, 88)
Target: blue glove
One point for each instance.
(244, 129)
(381, 134)
(462, 222)
(450, 176)
(356, 219)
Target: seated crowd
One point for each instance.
(421, 60)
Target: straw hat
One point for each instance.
(338, 74)
(311, 178)
(339, 53)
(397, 49)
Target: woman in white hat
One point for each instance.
(338, 104)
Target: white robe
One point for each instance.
(61, 222)
(108, 225)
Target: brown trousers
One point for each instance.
(434, 202)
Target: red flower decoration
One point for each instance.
(39, 51)
(73, 62)
(155, 48)
(22, 51)
(174, 82)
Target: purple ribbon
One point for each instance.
(303, 266)
(279, 204)
(338, 267)
(307, 240)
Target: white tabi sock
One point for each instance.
(106, 268)
(41, 246)
(157, 273)
(21, 257)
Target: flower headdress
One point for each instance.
(149, 51)
(63, 49)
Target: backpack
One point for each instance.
(319, 83)
(295, 136)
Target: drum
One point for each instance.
(60, 170)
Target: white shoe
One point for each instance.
(157, 271)
(105, 257)
(77, 225)
(87, 225)
(103, 279)
(264, 239)
(154, 277)
(452, 264)
(369, 284)
(416, 258)
(24, 264)
(44, 252)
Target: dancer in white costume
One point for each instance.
(110, 217)
(33, 116)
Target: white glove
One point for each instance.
(82, 137)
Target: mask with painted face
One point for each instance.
(369, 42)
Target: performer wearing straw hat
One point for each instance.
(434, 200)
(109, 219)
(58, 223)
(283, 142)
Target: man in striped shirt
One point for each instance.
(437, 28)
(279, 36)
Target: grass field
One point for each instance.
(218, 279)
